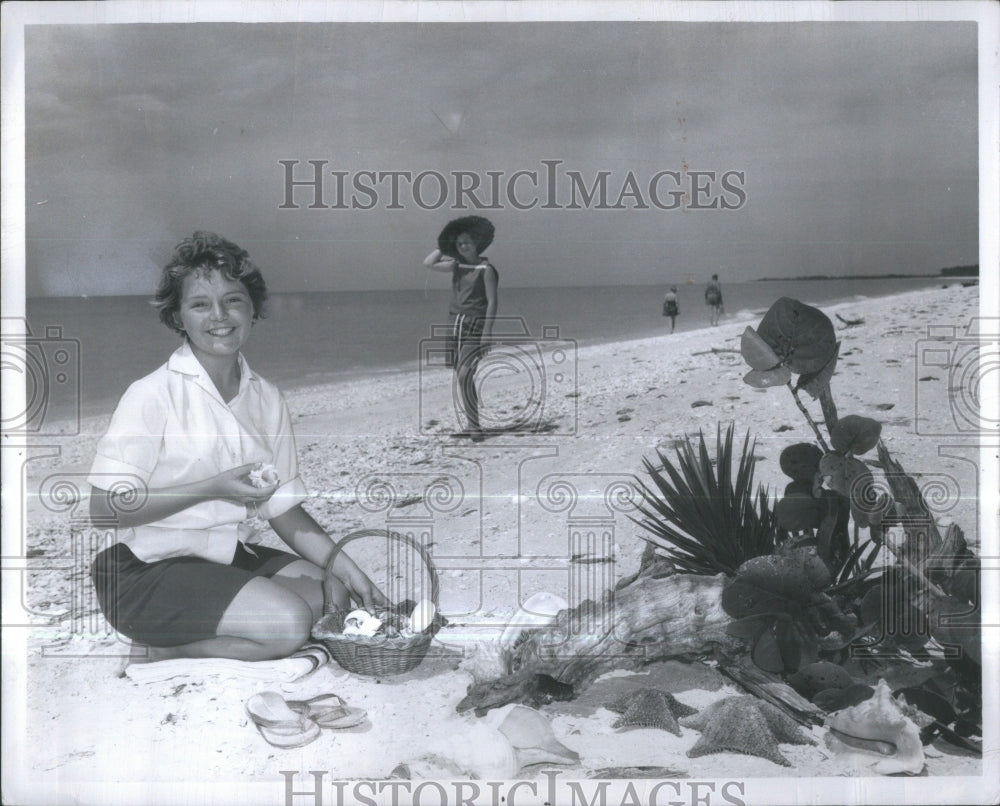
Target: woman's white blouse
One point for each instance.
(172, 427)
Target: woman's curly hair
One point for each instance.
(204, 252)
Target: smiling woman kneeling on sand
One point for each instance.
(195, 449)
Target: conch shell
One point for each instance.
(530, 734)
(480, 751)
(537, 612)
(878, 727)
(495, 748)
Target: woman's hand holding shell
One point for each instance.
(235, 485)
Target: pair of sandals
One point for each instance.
(294, 723)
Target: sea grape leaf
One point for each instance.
(775, 583)
(795, 542)
(815, 570)
(766, 653)
(842, 473)
(824, 537)
(815, 382)
(797, 512)
(762, 379)
(808, 645)
(814, 677)
(803, 337)
(855, 434)
(834, 699)
(757, 352)
(800, 461)
(852, 479)
(747, 628)
(742, 599)
(804, 487)
(790, 644)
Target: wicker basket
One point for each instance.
(381, 655)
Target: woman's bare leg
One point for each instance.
(467, 390)
(306, 580)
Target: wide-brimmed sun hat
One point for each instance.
(481, 230)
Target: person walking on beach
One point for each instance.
(473, 308)
(193, 451)
(670, 306)
(713, 299)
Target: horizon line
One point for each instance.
(667, 283)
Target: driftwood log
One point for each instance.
(651, 618)
(850, 322)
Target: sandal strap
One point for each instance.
(289, 738)
(282, 724)
(317, 698)
(320, 714)
(295, 721)
(329, 711)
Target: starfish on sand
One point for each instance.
(744, 724)
(650, 708)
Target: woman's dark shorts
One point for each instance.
(178, 600)
(464, 340)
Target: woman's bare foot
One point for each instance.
(137, 653)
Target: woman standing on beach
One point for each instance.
(474, 282)
(670, 306)
(176, 471)
(713, 299)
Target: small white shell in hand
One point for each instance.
(264, 476)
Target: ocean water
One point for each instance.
(312, 338)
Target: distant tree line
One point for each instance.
(954, 271)
(961, 271)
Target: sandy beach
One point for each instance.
(505, 518)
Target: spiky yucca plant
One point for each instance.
(705, 520)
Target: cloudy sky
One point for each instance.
(851, 148)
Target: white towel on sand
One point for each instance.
(284, 670)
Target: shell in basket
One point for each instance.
(422, 616)
(394, 648)
(388, 623)
(361, 622)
